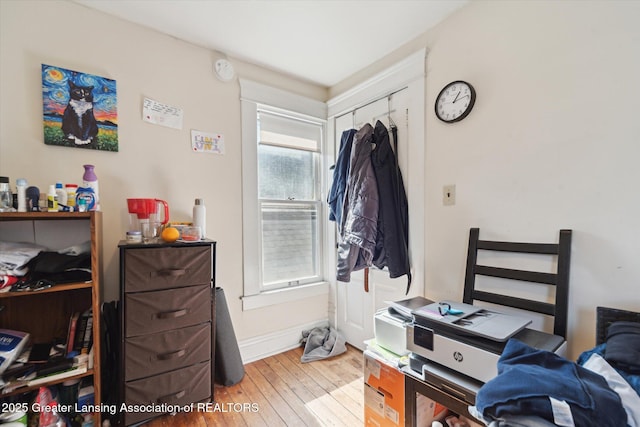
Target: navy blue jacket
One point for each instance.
(393, 216)
(335, 198)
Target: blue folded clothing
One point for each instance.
(541, 383)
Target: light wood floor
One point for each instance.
(282, 391)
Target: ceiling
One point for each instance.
(321, 41)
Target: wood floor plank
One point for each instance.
(317, 407)
(240, 399)
(281, 391)
(224, 398)
(286, 414)
(260, 407)
(335, 385)
(288, 394)
(338, 415)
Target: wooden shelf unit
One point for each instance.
(45, 314)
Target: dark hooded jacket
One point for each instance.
(360, 209)
(393, 217)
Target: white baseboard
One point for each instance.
(257, 348)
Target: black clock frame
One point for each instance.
(472, 101)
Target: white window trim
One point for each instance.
(251, 95)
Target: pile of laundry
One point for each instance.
(30, 267)
(539, 388)
(322, 343)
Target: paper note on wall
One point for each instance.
(202, 142)
(161, 114)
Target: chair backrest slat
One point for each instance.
(560, 279)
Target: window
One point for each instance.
(283, 215)
(289, 199)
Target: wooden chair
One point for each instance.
(560, 279)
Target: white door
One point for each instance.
(355, 307)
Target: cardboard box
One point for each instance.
(383, 393)
(428, 411)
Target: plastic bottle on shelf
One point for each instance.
(81, 205)
(6, 198)
(61, 194)
(71, 194)
(200, 217)
(90, 180)
(52, 199)
(21, 188)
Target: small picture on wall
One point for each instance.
(79, 109)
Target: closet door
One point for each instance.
(355, 307)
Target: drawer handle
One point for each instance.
(172, 397)
(171, 355)
(172, 314)
(173, 272)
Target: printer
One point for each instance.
(448, 338)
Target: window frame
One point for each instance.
(256, 97)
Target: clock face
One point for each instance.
(455, 101)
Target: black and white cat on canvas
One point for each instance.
(78, 122)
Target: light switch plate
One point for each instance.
(449, 195)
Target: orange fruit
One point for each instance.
(170, 234)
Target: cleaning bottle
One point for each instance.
(52, 199)
(61, 194)
(71, 194)
(90, 180)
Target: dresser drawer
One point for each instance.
(157, 311)
(154, 354)
(179, 387)
(163, 268)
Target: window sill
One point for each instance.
(282, 296)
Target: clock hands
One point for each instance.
(461, 97)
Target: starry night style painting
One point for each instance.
(79, 109)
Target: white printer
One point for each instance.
(390, 323)
(468, 339)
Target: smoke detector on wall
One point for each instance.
(224, 70)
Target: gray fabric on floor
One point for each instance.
(322, 343)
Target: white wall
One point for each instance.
(552, 142)
(153, 161)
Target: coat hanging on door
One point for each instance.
(360, 209)
(373, 227)
(335, 199)
(393, 216)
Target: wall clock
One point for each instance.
(455, 101)
(224, 70)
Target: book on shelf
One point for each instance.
(11, 345)
(87, 338)
(71, 333)
(46, 375)
(80, 332)
(69, 372)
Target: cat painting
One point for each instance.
(79, 125)
(79, 110)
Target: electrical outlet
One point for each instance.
(449, 195)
